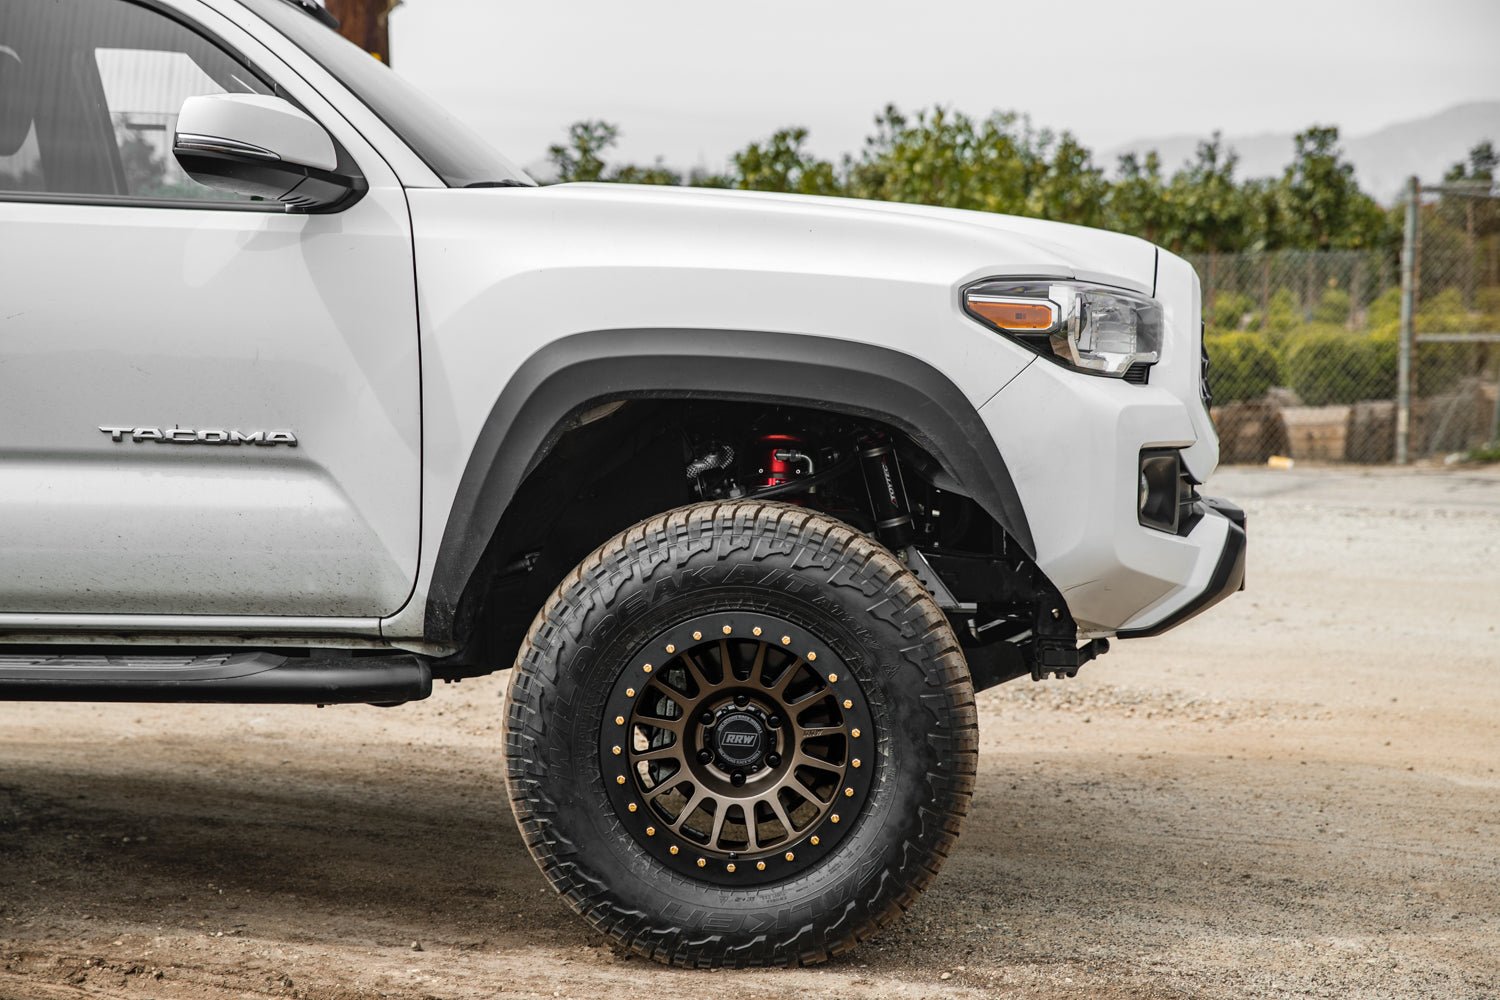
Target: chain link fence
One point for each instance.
(1305, 348)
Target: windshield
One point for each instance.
(453, 151)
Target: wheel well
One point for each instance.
(621, 461)
(556, 389)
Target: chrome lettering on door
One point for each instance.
(208, 435)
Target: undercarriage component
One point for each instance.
(1062, 659)
(919, 564)
(717, 458)
(783, 459)
(889, 506)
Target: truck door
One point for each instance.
(208, 406)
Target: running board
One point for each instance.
(236, 678)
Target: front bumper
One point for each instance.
(1228, 574)
(1073, 445)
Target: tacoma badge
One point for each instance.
(184, 435)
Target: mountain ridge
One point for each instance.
(1383, 158)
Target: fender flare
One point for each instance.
(573, 373)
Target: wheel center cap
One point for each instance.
(739, 739)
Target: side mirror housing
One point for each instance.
(263, 147)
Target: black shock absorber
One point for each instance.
(888, 504)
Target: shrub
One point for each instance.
(1488, 301)
(1386, 308)
(1444, 313)
(1241, 366)
(1230, 311)
(1283, 312)
(1333, 307)
(1326, 365)
(1439, 367)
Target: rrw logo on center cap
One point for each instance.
(738, 739)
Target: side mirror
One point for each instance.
(263, 147)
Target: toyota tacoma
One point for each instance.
(309, 396)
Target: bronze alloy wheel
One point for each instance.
(737, 748)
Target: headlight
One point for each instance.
(1090, 327)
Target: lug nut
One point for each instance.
(742, 699)
(774, 722)
(707, 717)
(704, 756)
(737, 778)
(772, 759)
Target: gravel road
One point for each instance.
(1294, 795)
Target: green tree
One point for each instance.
(1137, 202)
(1067, 187)
(705, 178)
(1324, 206)
(1478, 217)
(581, 158)
(1208, 209)
(943, 157)
(1480, 165)
(930, 159)
(783, 163)
(1267, 224)
(657, 173)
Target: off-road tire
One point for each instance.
(741, 558)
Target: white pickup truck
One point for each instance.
(308, 396)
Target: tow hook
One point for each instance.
(1059, 658)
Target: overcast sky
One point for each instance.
(693, 81)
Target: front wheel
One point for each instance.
(740, 734)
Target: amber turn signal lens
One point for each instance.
(1015, 314)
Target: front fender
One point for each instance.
(575, 373)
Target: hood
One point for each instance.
(977, 244)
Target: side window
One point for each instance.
(89, 96)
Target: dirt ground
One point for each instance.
(1293, 795)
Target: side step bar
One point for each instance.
(237, 678)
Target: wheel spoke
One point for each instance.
(757, 669)
(785, 820)
(752, 832)
(700, 678)
(678, 698)
(666, 786)
(674, 726)
(669, 752)
(795, 784)
(699, 794)
(721, 813)
(803, 760)
(778, 690)
(807, 699)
